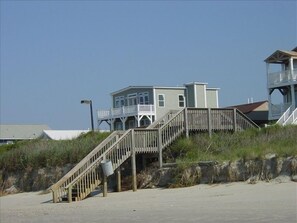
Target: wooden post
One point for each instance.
(104, 186)
(234, 120)
(119, 181)
(209, 122)
(160, 148)
(55, 197)
(133, 162)
(186, 122)
(70, 194)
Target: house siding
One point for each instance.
(201, 96)
(212, 98)
(171, 100)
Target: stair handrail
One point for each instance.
(248, 121)
(100, 158)
(292, 118)
(83, 164)
(162, 119)
(284, 117)
(168, 136)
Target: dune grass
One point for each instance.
(249, 144)
(47, 153)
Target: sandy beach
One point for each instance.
(234, 202)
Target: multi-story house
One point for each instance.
(282, 81)
(139, 106)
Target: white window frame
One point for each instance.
(179, 101)
(131, 99)
(119, 101)
(161, 101)
(144, 96)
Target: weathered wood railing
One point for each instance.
(119, 146)
(164, 119)
(59, 189)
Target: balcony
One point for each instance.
(126, 111)
(282, 78)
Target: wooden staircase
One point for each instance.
(79, 182)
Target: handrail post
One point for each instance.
(209, 122)
(119, 184)
(133, 161)
(186, 124)
(55, 196)
(234, 120)
(70, 194)
(104, 186)
(160, 147)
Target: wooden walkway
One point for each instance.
(79, 182)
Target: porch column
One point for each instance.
(269, 92)
(292, 85)
(124, 119)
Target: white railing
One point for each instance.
(292, 118)
(126, 111)
(276, 111)
(284, 117)
(282, 77)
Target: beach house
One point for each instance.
(281, 67)
(139, 106)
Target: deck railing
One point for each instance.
(119, 146)
(126, 111)
(60, 188)
(282, 77)
(292, 119)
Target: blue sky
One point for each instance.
(55, 53)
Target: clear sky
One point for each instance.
(55, 53)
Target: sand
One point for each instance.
(234, 202)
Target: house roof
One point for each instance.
(247, 108)
(63, 134)
(144, 87)
(281, 55)
(21, 132)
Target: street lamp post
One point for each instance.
(89, 102)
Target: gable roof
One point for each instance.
(21, 132)
(281, 55)
(247, 108)
(63, 134)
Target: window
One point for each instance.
(143, 98)
(161, 99)
(132, 99)
(181, 101)
(119, 101)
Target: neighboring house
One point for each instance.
(256, 111)
(12, 133)
(139, 106)
(63, 134)
(282, 81)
